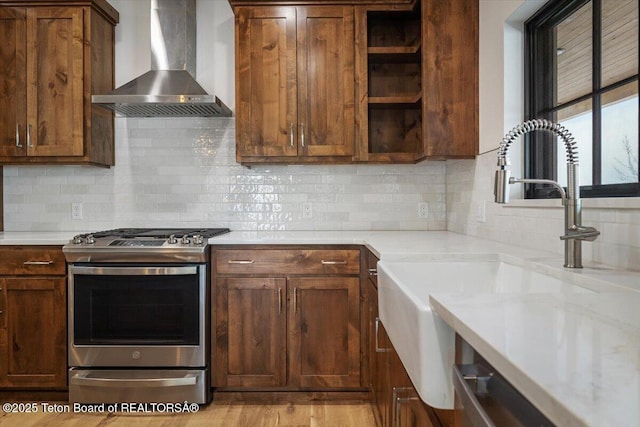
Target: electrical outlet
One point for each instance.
(481, 213)
(76, 210)
(423, 210)
(307, 210)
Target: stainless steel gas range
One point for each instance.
(139, 315)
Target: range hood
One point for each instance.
(168, 89)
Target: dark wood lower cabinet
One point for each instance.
(324, 333)
(253, 350)
(286, 327)
(33, 306)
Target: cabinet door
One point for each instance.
(55, 69)
(324, 336)
(12, 82)
(33, 351)
(266, 79)
(326, 123)
(251, 352)
(450, 56)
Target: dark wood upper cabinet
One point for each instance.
(375, 81)
(450, 75)
(55, 54)
(294, 68)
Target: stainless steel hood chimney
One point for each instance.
(168, 90)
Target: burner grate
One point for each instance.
(160, 233)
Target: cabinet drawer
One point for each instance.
(32, 260)
(287, 261)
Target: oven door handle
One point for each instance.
(134, 271)
(81, 379)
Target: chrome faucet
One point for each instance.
(574, 232)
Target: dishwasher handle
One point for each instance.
(472, 408)
(488, 399)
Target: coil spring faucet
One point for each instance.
(574, 232)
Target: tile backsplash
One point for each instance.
(183, 172)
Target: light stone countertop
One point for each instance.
(36, 237)
(576, 359)
(389, 245)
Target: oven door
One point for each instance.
(137, 316)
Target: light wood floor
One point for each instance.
(221, 414)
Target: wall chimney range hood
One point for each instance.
(168, 89)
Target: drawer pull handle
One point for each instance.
(37, 263)
(373, 272)
(240, 261)
(396, 419)
(324, 262)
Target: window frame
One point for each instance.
(540, 147)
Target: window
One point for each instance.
(582, 71)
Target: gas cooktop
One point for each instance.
(142, 244)
(160, 233)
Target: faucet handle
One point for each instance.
(580, 232)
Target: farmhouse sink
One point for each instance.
(424, 342)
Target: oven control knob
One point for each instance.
(173, 240)
(77, 240)
(90, 239)
(185, 240)
(198, 239)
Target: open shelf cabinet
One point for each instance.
(393, 80)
